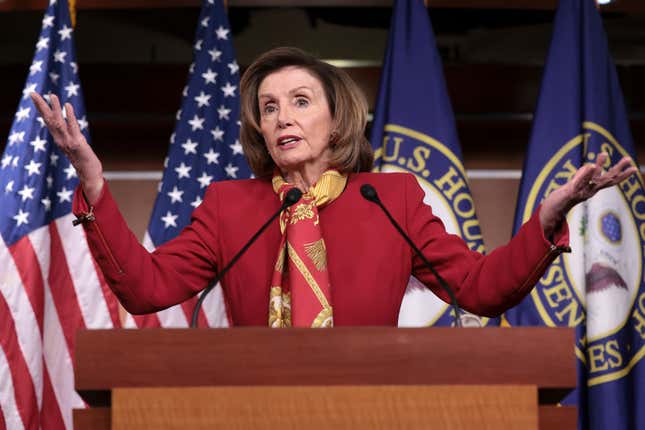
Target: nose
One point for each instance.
(284, 117)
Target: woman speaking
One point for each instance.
(333, 258)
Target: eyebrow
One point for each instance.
(295, 90)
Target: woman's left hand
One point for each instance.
(585, 183)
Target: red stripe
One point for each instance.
(188, 306)
(3, 425)
(30, 275)
(63, 292)
(147, 321)
(50, 415)
(23, 386)
(110, 299)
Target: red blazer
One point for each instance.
(368, 262)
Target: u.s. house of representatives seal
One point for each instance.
(597, 287)
(443, 178)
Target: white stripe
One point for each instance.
(129, 322)
(56, 354)
(156, 175)
(27, 331)
(173, 317)
(214, 308)
(7, 399)
(86, 283)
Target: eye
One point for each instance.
(302, 102)
(269, 108)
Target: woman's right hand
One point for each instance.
(68, 137)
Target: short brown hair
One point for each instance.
(351, 151)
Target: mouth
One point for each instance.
(287, 141)
(601, 277)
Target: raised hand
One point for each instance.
(587, 181)
(68, 137)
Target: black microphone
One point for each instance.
(369, 193)
(292, 197)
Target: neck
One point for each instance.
(303, 179)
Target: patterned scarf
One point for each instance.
(300, 289)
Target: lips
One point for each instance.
(286, 140)
(601, 277)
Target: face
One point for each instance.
(295, 120)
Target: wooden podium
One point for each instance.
(341, 378)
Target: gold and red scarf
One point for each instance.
(300, 289)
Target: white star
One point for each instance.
(33, 168)
(211, 156)
(64, 195)
(54, 77)
(233, 67)
(65, 33)
(59, 56)
(43, 43)
(215, 54)
(196, 123)
(47, 203)
(196, 202)
(21, 217)
(26, 192)
(204, 180)
(6, 160)
(82, 123)
(191, 68)
(53, 159)
(178, 115)
(172, 139)
(36, 66)
(48, 21)
(231, 170)
(16, 137)
(14, 162)
(175, 195)
(205, 21)
(22, 114)
(165, 162)
(70, 171)
(202, 99)
(50, 181)
(237, 147)
(209, 77)
(28, 90)
(183, 171)
(189, 147)
(198, 45)
(223, 112)
(218, 133)
(184, 92)
(74, 67)
(9, 187)
(41, 121)
(72, 89)
(222, 33)
(229, 90)
(38, 144)
(169, 220)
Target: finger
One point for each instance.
(40, 104)
(601, 159)
(72, 124)
(56, 124)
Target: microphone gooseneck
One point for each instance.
(291, 198)
(369, 193)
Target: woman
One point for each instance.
(333, 259)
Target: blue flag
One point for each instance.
(414, 131)
(205, 145)
(599, 287)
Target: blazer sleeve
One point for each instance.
(147, 282)
(483, 284)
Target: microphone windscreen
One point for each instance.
(293, 195)
(369, 193)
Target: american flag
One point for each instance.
(49, 284)
(204, 147)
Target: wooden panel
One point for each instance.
(558, 417)
(343, 356)
(92, 419)
(342, 408)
